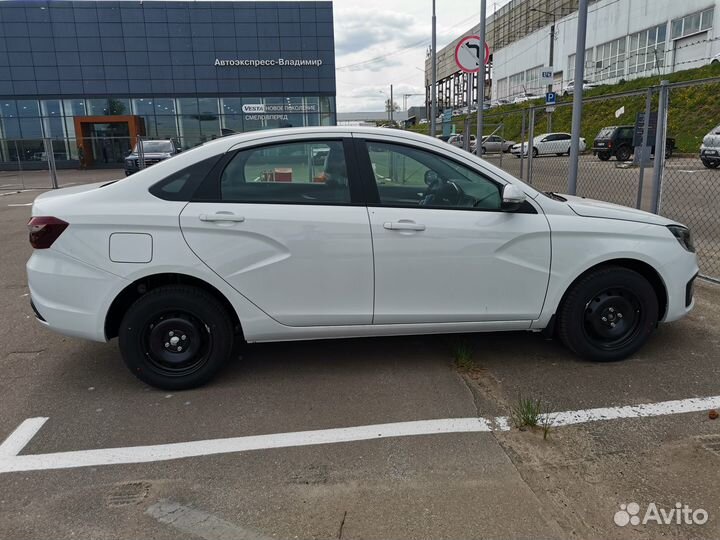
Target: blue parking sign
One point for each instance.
(550, 98)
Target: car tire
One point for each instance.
(608, 314)
(484, 150)
(623, 153)
(603, 156)
(535, 152)
(176, 337)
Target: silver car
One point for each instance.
(494, 144)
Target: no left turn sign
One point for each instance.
(467, 54)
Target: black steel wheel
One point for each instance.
(608, 314)
(176, 337)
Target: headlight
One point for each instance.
(682, 234)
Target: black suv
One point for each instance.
(154, 152)
(618, 141)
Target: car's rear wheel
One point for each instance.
(623, 153)
(603, 156)
(535, 152)
(176, 337)
(608, 315)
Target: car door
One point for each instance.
(562, 143)
(281, 224)
(547, 145)
(444, 250)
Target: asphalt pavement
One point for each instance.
(502, 482)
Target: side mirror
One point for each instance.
(512, 198)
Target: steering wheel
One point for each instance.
(442, 193)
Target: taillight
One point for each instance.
(610, 144)
(45, 230)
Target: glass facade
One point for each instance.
(192, 71)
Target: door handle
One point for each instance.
(222, 216)
(403, 225)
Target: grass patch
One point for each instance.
(531, 413)
(462, 352)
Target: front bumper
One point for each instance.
(679, 276)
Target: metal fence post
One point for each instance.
(531, 136)
(502, 136)
(644, 151)
(20, 169)
(659, 164)
(140, 153)
(522, 142)
(50, 155)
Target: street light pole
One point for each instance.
(433, 70)
(392, 106)
(481, 81)
(577, 96)
(552, 39)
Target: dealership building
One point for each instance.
(93, 76)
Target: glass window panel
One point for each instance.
(707, 19)
(187, 106)
(189, 128)
(31, 128)
(97, 107)
(166, 127)
(51, 107)
(143, 106)
(8, 108)
(118, 106)
(208, 105)
(288, 173)
(74, 107)
(231, 106)
(11, 128)
(692, 24)
(28, 107)
(661, 33)
(233, 122)
(164, 106)
(677, 26)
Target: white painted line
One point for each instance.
(199, 523)
(21, 204)
(19, 438)
(11, 462)
(164, 452)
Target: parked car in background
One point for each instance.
(617, 141)
(423, 121)
(526, 97)
(494, 144)
(570, 88)
(153, 152)
(499, 102)
(243, 240)
(710, 149)
(458, 140)
(548, 143)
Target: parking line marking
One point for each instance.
(199, 523)
(22, 435)
(11, 462)
(21, 204)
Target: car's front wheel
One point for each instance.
(176, 337)
(608, 314)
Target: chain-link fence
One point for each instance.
(617, 163)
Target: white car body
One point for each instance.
(548, 144)
(312, 271)
(587, 85)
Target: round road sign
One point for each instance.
(467, 54)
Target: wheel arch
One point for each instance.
(641, 267)
(125, 298)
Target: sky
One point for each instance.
(384, 42)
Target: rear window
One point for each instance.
(181, 186)
(605, 133)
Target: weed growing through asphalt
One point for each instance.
(527, 413)
(463, 353)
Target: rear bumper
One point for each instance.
(69, 296)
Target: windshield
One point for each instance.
(156, 146)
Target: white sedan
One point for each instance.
(548, 143)
(248, 239)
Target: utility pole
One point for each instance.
(577, 97)
(392, 105)
(433, 59)
(481, 80)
